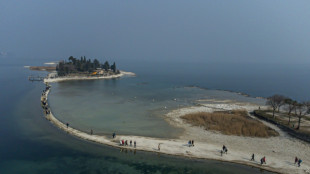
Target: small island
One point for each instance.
(84, 69)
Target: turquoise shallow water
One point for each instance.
(129, 105)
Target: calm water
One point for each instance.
(255, 79)
(129, 105)
(107, 105)
(30, 144)
(210, 44)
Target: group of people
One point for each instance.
(44, 101)
(125, 143)
(224, 150)
(263, 160)
(191, 143)
(47, 87)
(298, 161)
(45, 104)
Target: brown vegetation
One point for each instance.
(42, 68)
(236, 122)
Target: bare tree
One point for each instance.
(275, 101)
(281, 101)
(307, 104)
(290, 106)
(302, 109)
(295, 107)
(272, 102)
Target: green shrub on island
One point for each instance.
(85, 66)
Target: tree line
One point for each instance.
(74, 65)
(299, 109)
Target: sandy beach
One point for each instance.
(280, 151)
(68, 78)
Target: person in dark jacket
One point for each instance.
(252, 159)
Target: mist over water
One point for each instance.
(257, 47)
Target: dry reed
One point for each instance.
(236, 122)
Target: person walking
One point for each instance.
(296, 160)
(299, 161)
(192, 142)
(67, 125)
(113, 135)
(135, 144)
(264, 159)
(189, 143)
(221, 152)
(252, 159)
(91, 132)
(159, 147)
(130, 142)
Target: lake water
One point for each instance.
(129, 105)
(30, 144)
(137, 105)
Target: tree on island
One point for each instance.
(60, 69)
(82, 65)
(96, 64)
(106, 66)
(275, 101)
(113, 67)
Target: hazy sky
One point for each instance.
(199, 31)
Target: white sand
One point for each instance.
(51, 63)
(67, 78)
(279, 151)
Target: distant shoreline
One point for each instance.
(225, 90)
(41, 68)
